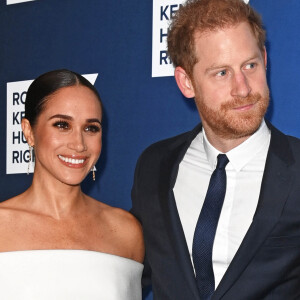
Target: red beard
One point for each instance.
(229, 123)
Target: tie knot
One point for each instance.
(222, 161)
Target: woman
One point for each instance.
(55, 241)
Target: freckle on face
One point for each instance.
(81, 104)
(230, 47)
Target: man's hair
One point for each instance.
(199, 16)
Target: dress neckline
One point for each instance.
(70, 250)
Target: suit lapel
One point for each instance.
(274, 192)
(173, 225)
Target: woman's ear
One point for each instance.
(184, 82)
(28, 133)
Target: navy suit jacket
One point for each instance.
(267, 264)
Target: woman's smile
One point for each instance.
(73, 161)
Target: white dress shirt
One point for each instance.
(244, 176)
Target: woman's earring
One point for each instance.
(30, 158)
(94, 174)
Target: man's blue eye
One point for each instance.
(222, 73)
(250, 66)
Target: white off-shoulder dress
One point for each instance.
(68, 275)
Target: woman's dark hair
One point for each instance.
(47, 84)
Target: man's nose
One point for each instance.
(240, 85)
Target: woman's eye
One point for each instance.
(61, 125)
(222, 73)
(92, 128)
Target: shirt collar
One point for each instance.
(243, 153)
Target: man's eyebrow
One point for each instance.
(256, 56)
(60, 116)
(215, 66)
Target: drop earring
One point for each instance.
(30, 158)
(94, 174)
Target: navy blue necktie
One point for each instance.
(206, 229)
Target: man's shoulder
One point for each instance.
(286, 146)
(281, 136)
(295, 146)
(295, 141)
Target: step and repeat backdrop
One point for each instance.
(120, 46)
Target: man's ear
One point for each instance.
(28, 133)
(265, 57)
(184, 82)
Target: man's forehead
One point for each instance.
(219, 35)
(200, 33)
(226, 45)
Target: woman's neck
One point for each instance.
(54, 198)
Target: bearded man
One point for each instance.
(220, 205)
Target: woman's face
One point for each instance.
(67, 135)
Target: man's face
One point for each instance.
(229, 81)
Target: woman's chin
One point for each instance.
(72, 181)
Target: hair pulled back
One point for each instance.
(46, 85)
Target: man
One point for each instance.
(229, 232)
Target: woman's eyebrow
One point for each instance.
(61, 117)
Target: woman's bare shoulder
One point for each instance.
(125, 228)
(11, 205)
(115, 215)
(131, 233)
(11, 214)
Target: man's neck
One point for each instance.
(223, 144)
